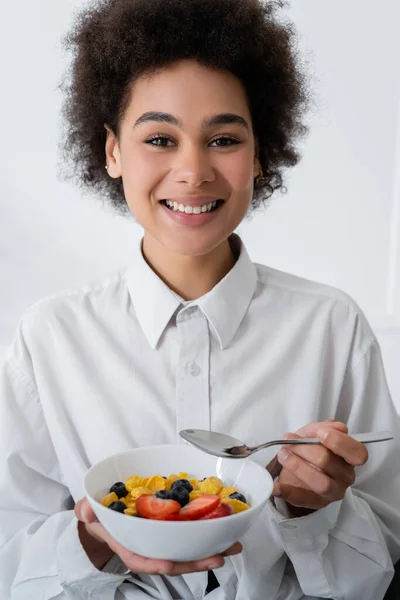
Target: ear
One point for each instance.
(113, 155)
(257, 164)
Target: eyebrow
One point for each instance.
(221, 119)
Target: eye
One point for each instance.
(158, 140)
(162, 141)
(232, 141)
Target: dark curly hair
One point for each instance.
(116, 41)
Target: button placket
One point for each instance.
(192, 390)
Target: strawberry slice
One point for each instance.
(199, 507)
(151, 507)
(172, 517)
(223, 510)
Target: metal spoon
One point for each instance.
(226, 446)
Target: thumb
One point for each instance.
(84, 512)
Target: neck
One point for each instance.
(189, 276)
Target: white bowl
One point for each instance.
(176, 540)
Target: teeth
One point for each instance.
(191, 210)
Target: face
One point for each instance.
(186, 155)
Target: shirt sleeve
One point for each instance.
(40, 551)
(347, 550)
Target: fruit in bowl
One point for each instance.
(200, 533)
(174, 498)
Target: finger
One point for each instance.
(140, 564)
(300, 497)
(353, 452)
(235, 549)
(315, 480)
(84, 512)
(311, 429)
(290, 479)
(325, 460)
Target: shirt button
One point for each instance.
(193, 369)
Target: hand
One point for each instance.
(314, 476)
(100, 547)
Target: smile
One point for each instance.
(192, 210)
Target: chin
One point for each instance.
(196, 244)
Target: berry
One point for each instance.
(182, 483)
(119, 489)
(200, 507)
(237, 496)
(223, 510)
(151, 507)
(164, 495)
(118, 506)
(180, 494)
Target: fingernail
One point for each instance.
(322, 433)
(84, 514)
(277, 491)
(230, 552)
(87, 514)
(283, 454)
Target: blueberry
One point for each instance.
(237, 496)
(164, 495)
(117, 506)
(120, 489)
(180, 494)
(182, 483)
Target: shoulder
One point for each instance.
(341, 314)
(294, 285)
(75, 304)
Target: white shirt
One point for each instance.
(121, 363)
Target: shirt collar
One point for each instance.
(224, 306)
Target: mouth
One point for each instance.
(192, 210)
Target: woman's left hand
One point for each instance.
(314, 476)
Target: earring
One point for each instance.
(261, 175)
(106, 167)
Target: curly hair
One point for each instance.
(114, 42)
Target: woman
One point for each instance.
(186, 113)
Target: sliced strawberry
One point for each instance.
(172, 517)
(151, 507)
(223, 510)
(200, 506)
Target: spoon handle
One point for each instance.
(365, 438)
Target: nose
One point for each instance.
(193, 167)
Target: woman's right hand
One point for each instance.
(100, 547)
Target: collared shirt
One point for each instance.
(122, 363)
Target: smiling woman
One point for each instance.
(193, 133)
(186, 113)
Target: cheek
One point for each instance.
(139, 171)
(238, 171)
